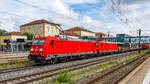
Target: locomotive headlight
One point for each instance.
(41, 49)
(31, 49)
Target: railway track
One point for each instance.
(7, 70)
(116, 74)
(13, 69)
(50, 73)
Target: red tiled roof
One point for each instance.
(15, 33)
(100, 34)
(70, 34)
(77, 29)
(39, 22)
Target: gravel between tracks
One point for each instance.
(112, 78)
(50, 67)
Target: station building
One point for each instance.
(79, 32)
(40, 28)
(101, 35)
(11, 37)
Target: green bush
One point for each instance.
(64, 78)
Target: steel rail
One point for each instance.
(50, 73)
(114, 70)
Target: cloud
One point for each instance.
(134, 1)
(61, 12)
(91, 24)
(79, 1)
(55, 11)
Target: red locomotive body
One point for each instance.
(50, 48)
(106, 47)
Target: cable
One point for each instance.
(43, 9)
(15, 15)
(51, 12)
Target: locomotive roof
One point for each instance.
(109, 42)
(74, 39)
(65, 39)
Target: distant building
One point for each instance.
(69, 34)
(101, 35)
(78, 31)
(132, 39)
(13, 36)
(41, 28)
(122, 37)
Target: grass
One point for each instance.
(66, 77)
(15, 64)
(69, 77)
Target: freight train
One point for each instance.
(53, 49)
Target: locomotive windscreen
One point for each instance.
(38, 42)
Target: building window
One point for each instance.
(28, 29)
(52, 30)
(34, 30)
(48, 28)
(39, 30)
(24, 30)
(57, 31)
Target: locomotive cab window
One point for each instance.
(38, 42)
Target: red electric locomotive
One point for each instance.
(51, 49)
(106, 47)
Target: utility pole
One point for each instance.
(108, 36)
(139, 40)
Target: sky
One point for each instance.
(113, 16)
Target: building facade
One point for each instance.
(40, 28)
(13, 36)
(101, 35)
(69, 34)
(80, 32)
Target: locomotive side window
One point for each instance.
(38, 42)
(52, 42)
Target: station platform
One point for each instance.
(140, 75)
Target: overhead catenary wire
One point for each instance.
(52, 12)
(117, 11)
(3, 12)
(41, 9)
(28, 4)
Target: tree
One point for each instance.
(2, 32)
(29, 36)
